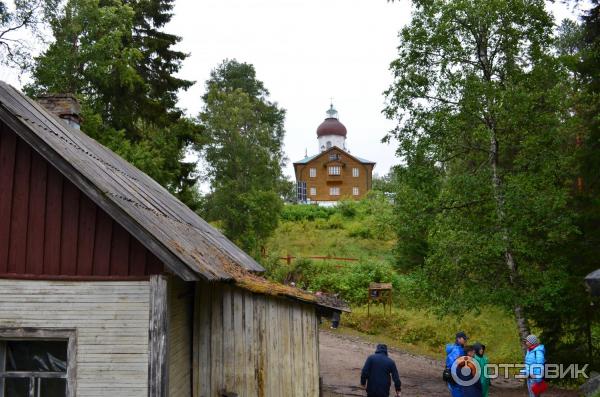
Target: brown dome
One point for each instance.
(331, 126)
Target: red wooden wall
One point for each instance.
(49, 228)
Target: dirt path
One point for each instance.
(342, 358)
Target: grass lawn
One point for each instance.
(420, 332)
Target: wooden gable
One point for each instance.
(50, 229)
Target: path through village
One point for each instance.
(342, 358)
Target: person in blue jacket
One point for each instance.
(453, 352)
(376, 374)
(534, 363)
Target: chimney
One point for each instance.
(64, 106)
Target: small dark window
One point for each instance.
(33, 368)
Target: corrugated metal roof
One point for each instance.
(150, 207)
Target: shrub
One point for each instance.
(360, 230)
(298, 212)
(348, 208)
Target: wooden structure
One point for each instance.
(115, 288)
(380, 293)
(333, 174)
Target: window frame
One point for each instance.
(313, 191)
(355, 191)
(312, 172)
(336, 168)
(332, 189)
(41, 334)
(355, 172)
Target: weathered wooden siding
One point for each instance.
(253, 345)
(111, 321)
(49, 228)
(181, 303)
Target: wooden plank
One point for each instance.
(119, 255)
(249, 343)
(86, 237)
(216, 341)
(261, 348)
(298, 366)
(228, 339)
(37, 215)
(137, 258)
(102, 243)
(18, 226)
(53, 225)
(69, 235)
(158, 374)
(203, 338)
(239, 351)
(8, 150)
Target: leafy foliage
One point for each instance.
(484, 110)
(18, 18)
(244, 133)
(114, 57)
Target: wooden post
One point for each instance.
(288, 259)
(158, 368)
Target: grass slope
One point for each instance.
(362, 230)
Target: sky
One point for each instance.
(307, 53)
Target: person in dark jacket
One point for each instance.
(376, 374)
(468, 373)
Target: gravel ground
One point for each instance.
(342, 358)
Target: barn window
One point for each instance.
(36, 363)
(334, 191)
(355, 172)
(335, 170)
(313, 172)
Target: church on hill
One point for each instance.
(333, 174)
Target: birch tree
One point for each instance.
(477, 90)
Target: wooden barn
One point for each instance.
(110, 286)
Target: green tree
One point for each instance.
(114, 57)
(478, 91)
(244, 132)
(17, 19)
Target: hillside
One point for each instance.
(362, 230)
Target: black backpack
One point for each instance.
(447, 375)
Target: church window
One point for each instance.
(301, 189)
(313, 172)
(335, 170)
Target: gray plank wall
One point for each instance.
(181, 301)
(111, 319)
(253, 345)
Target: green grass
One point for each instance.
(316, 238)
(420, 332)
(362, 230)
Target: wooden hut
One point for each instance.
(110, 286)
